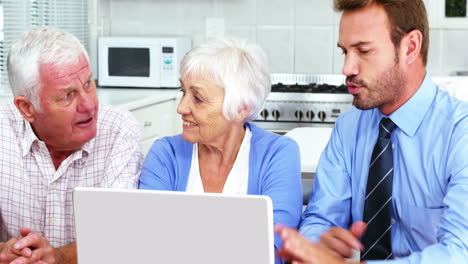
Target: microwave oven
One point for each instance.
(151, 62)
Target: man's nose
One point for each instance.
(350, 66)
(87, 102)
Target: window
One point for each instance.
(19, 15)
(455, 8)
(448, 14)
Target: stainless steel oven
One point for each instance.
(298, 100)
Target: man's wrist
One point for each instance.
(66, 254)
(59, 256)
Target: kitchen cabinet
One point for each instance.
(156, 120)
(154, 109)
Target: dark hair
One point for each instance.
(404, 16)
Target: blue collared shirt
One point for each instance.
(430, 177)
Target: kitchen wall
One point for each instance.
(299, 36)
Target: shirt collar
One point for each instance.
(410, 115)
(26, 135)
(29, 137)
(88, 146)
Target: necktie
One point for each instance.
(378, 201)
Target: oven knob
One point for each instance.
(310, 115)
(276, 114)
(322, 116)
(264, 114)
(298, 114)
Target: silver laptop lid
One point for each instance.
(140, 226)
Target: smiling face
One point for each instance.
(69, 106)
(201, 107)
(372, 64)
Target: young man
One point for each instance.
(56, 137)
(393, 180)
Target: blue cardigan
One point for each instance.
(274, 170)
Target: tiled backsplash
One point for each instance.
(299, 36)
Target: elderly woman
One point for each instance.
(225, 83)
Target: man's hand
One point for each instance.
(342, 241)
(299, 250)
(7, 251)
(33, 248)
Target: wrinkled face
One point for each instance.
(201, 108)
(372, 67)
(69, 106)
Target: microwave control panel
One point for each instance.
(167, 58)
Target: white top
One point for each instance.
(238, 178)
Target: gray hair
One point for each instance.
(239, 67)
(38, 46)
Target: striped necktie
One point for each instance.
(378, 201)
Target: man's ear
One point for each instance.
(412, 43)
(26, 108)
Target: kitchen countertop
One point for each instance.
(311, 141)
(133, 98)
(457, 86)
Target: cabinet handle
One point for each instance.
(147, 124)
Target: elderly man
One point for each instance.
(56, 137)
(393, 180)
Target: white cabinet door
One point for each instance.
(157, 120)
(147, 143)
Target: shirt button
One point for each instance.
(393, 146)
(52, 221)
(393, 221)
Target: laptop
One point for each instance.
(140, 226)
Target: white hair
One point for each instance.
(38, 46)
(239, 67)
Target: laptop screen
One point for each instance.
(141, 226)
